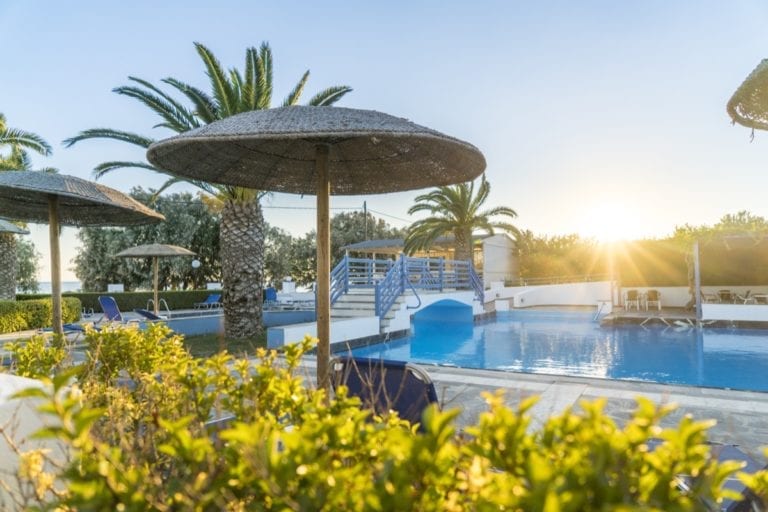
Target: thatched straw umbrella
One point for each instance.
(8, 258)
(155, 251)
(322, 151)
(749, 104)
(69, 201)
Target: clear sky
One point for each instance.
(604, 118)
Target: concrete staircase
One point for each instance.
(360, 302)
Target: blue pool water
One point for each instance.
(573, 344)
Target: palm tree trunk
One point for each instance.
(7, 266)
(242, 263)
(463, 245)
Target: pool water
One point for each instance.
(573, 344)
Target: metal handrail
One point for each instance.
(477, 285)
(390, 288)
(390, 278)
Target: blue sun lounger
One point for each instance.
(211, 301)
(384, 385)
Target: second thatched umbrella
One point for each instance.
(323, 151)
(155, 251)
(59, 200)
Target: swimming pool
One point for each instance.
(570, 343)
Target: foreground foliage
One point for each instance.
(136, 419)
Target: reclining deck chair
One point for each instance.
(384, 385)
(211, 301)
(111, 310)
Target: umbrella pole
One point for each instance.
(53, 236)
(155, 267)
(323, 268)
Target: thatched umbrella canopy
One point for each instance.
(59, 199)
(155, 251)
(322, 151)
(749, 104)
(10, 227)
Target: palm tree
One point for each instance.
(455, 210)
(242, 225)
(16, 143)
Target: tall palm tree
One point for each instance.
(455, 210)
(242, 225)
(14, 156)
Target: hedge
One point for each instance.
(22, 315)
(128, 301)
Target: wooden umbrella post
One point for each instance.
(323, 268)
(53, 236)
(156, 280)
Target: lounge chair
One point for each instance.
(631, 298)
(111, 310)
(726, 296)
(270, 298)
(385, 386)
(210, 302)
(652, 298)
(149, 315)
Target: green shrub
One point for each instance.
(37, 357)
(136, 427)
(22, 315)
(128, 301)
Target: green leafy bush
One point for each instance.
(24, 315)
(128, 301)
(37, 357)
(136, 422)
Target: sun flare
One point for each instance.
(610, 222)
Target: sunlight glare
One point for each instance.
(610, 222)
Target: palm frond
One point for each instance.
(109, 133)
(166, 111)
(28, 140)
(295, 94)
(248, 96)
(264, 77)
(498, 210)
(222, 88)
(185, 117)
(107, 167)
(205, 106)
(329, 96)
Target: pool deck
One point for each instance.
(742, 416)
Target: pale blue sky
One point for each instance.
(604, 118)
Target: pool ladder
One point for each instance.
(163, 306)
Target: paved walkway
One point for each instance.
(742, 416)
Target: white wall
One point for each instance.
(678, 296)
(499, 260)
(341, 330)
(571, 294)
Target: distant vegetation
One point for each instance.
(732, 252)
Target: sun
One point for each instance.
(610, 222)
